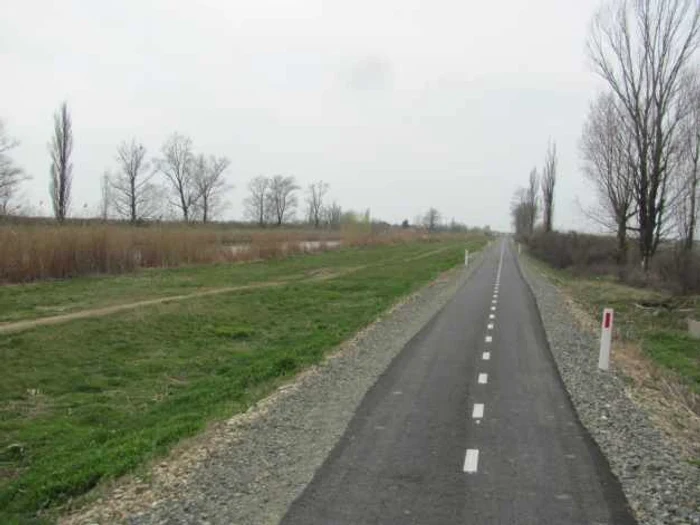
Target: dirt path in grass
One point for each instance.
(20, 326)
(322, 275)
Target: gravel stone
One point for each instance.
(661, 487)
(264, 462)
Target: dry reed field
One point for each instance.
(30, 252)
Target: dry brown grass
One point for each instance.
(673, 407)
(30, 252)
(42, 252)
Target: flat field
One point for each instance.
(91, 398)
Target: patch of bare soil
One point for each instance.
(428, 254)
(323, 274)
(20, 326)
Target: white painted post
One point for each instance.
(519, 248)
(605, 339)
(466, 257)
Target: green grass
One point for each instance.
(93, 399)
(677, 352)
(48, 298)
(662, 331)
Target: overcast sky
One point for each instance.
(398, 104)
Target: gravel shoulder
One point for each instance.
(660, 485)
(249, 469)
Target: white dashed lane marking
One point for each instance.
(471, 461)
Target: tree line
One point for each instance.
(641, 140)
(537, 196)
(640, 144)
(139, 188)
(194, 185)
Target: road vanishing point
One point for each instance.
(470, 424)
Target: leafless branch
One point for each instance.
(11, 175)
(609, 165)
(210, 184)
(131, 190)
(281, 198)
(177, 166)
(549, 180)
(641, 49)
(61, 148)
(254, 204)
(315, 194)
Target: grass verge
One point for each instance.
(654, 319)
(93, 399)
(49, 298)
(658, 360)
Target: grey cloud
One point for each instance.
(400, 105)
(371, 73)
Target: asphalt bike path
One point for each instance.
(470, 424)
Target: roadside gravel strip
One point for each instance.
(256, 464)
(661, 487)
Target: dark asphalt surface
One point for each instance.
(401, 459)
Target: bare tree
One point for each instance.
(606, 149)
(105, 197)
(332, 215)
(521, 214)
(210, 184)
(11, 175)
(314, 199)
(689, 160)
(532, 201)
(549, 180)
(61, 148)
(177, 166)
(640, 48)
(524, 207)
(281, 199)
(255, 202)
(431, 219)
(132, 192)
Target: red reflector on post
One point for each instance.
(605, 339)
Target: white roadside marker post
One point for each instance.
(466, 257)
(605, 339)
